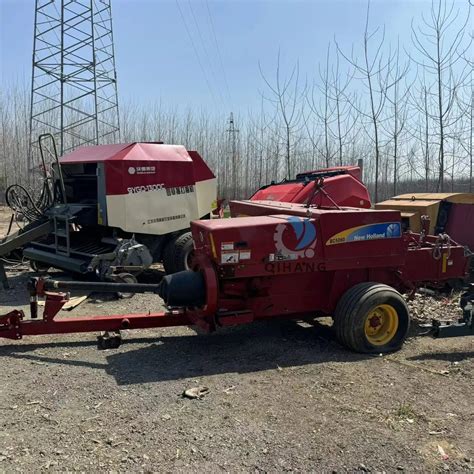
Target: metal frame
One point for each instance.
(74, 81)
(463, 326)
(13, 325)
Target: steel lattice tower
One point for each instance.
(74, 82)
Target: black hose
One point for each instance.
(21, 202)
(182, 289)
(101, 287)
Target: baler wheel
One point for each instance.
(372, 318)
(39, 267)
(108, 340)
(178, 252)
(124, 278)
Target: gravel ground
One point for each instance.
(282, 397)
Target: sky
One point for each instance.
(166, 52)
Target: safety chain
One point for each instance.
(441, 241)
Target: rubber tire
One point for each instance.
(124, 278)
(176, 253)
(352, 310)
(39, 267)
(111, 342)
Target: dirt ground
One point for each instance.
(282, 397)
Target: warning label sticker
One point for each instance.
(229, 258)
(245, 254)
(227, 246)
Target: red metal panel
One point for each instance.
(132, 165)
(93, 154)
(461, 224)
(344, 190)
(421, 266)
(271, 282)
(270, 244)
(337, 227)
(202, 172)
(279, 192)
(127, 151)
(126, 176)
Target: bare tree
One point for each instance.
(323, 109)
(470, 138)
(397, 100)
(286, 95)
(441, 45)
(354, 109)
(374, 72)
(345, 117)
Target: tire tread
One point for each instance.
(347, 315)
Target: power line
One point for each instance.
(219, 53)
(197, 54)
(206, 53)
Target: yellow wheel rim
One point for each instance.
(381, 325)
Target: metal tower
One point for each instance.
(74, 82)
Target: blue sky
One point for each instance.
(156, 61)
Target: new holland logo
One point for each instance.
(295, 239)
(384, 230)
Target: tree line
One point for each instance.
(405, 109)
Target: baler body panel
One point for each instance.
(344, 189)
(461, 224)
(281, 243)
(301, 262)
(150, 188)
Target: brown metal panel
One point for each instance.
(464, 198)
(416, 209)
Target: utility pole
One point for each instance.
(232, 131)
(360, 164)
(74, 81)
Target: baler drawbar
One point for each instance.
(297, 262)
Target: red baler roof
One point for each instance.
(139, 152)
(148, 151)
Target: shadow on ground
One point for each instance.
(444, 356)
(246, 349)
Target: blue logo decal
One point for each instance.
(385, 230)
(305, 232)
